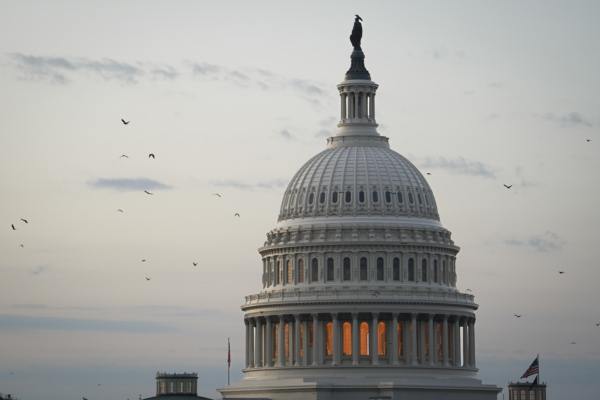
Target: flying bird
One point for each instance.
(428, 173)
(124, 156)
(124, 121)
(597, 324)
(119, 210)
(14, 229)
(151, 155)
(518, 316)
(469, 290)
(24, 220)
(194, 263)
(216, 194)
(236, 215)
(147, 192)
(589, 140)
(147, 278)
(561, 272)
(573, 343)
(508, 187)
(21, 245)
(143, 260)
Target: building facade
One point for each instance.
(525, 391)
(176, 386)
(359, 295)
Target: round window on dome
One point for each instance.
(399, 196)
(419, 198)
(334, 197)
(388, 197)
(322, 198)
(348, 196)
(411, 200)
(361, 196)
(375, 196)
(311, 198)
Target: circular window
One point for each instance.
(348, 196)
(311, 198)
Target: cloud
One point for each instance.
(125, 184)
(38, 270)
(19, 322)
(62, 69)
(273, 184)
(324, 133)
(569, 120)
(443, 52)
(524, 183)
(458, 166)
(549, 241)
(327, 122)
(286, 134)
(496, 84)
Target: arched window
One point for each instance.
(322, 198)
(419, 198)
(381, 339)
(410, 198)
(311, 198)
(435, 271)
(388, 197)
(364, 339)
(347, 273)
(301, 270)
(364, 273)
(329, 338)
(334, 197)
(380, 271)
(347, 339)
(330, 277)
(279, 273)
(289, 271)
(375, 196)
(411, 270)
(314, 276)
(396, 269)
(361, 197)
(275, 330)
(286, 332)
(348, 196)
(400, 339)
(423, 270)
(399, 197)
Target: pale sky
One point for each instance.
(233, 98)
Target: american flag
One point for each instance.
(533, 369)
(228, 354)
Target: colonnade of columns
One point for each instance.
(357, 104)
(385, 338)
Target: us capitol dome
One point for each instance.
(359, 296)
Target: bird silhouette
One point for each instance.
(561, 272)
(124, 156)
(24, 220)
(573, 343)
(151, 155)
(589, 140)
(518, 316)
(143, 260)
(236, 215)
(508, 187)
(119, 210)
(216, 194)
(14, 229)
(194, 263)
(124, 121)
(147, 192)
(147, 278)
(469, 290)
(428, 173)
(597, 324)
(21, 245)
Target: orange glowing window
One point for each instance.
(426, 339)
(347, 342)
(364, 339)
(381, 339)
(286, 329)
(301, 336)
(438, 334)
(400, 341)
(289, 271)
(275, 329)
(329, 338)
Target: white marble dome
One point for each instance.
(358, 180)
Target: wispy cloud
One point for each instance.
(549, 241)
(285, 134)
(62, 69)
(568, 120)
(39, 270)
(19, 322)
(323, 133)
(524, 182)
(458, 166)
(125, 184)
(443, 52)
(273, 184)
(496, 84)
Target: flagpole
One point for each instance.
(228, 360)
(539, 369)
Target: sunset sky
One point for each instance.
(233, 97)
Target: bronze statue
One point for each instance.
(356, 33)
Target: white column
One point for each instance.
(430, 340)
(472, 342)
(336, 339)
(281, 342)
(251, 344)
(465, 343)
(413, 344)
(247, 323)
(297, 339)
(315, 318)
(445, 340)
(375, 340)
(269, 343)
(355, 339)
(395, 338)
(373, 105)
(258, 344)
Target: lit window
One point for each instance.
(381, 340)
(426, 339)
(364, 274)
(286, 332)
(334, 197)
(364, 339)
(375, 196)
(396, 269)
(388, 197)
(400, 337)
(289, 271)
(410, 198)
(347, 339)
(380, 271)
(322, 198)
(399, 197)
(348, 196)
(347, 275)
(411, 270)
(311, 198)
(315, 270)
(419, 198)
(361, 197)
(301, 336)
(179, 387)
(423, 270)
(275, 330)
(330, 270)
(301, 270)
(523, 394)
(329, 338)
(189, 387)
(311, 335)
(435, 271)
(279, 273)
